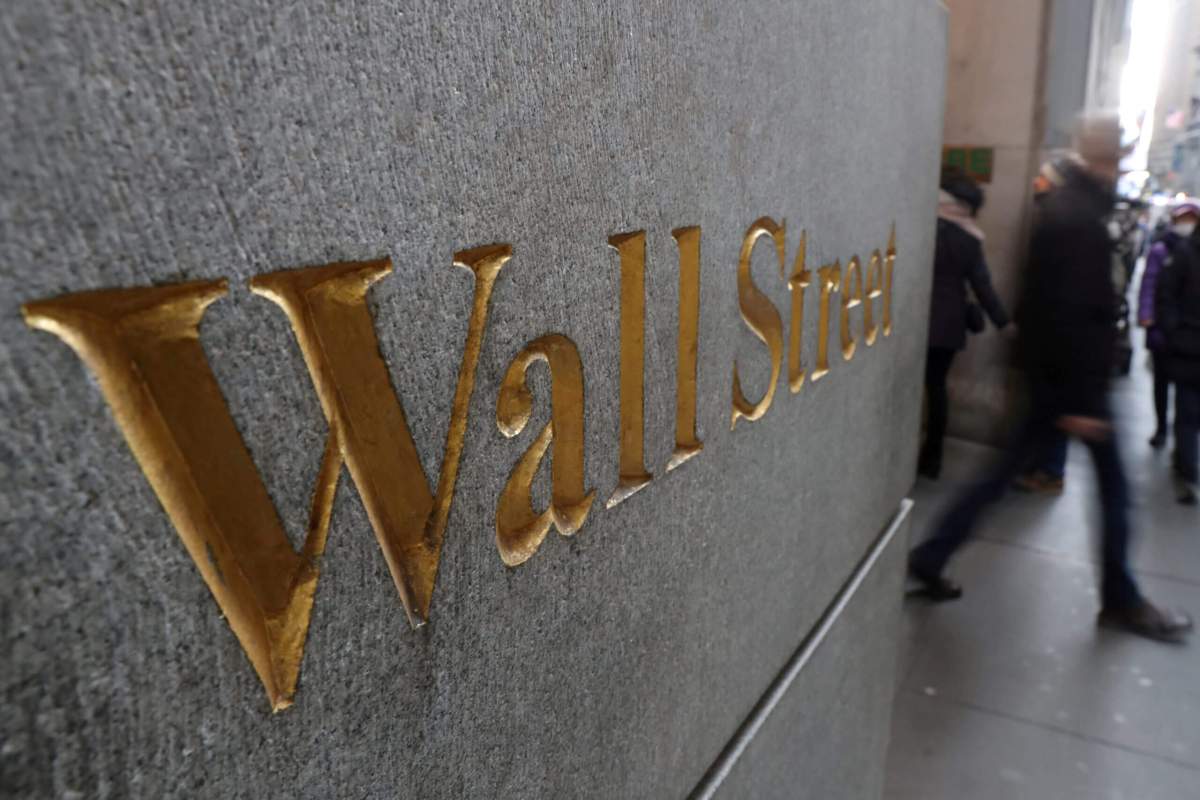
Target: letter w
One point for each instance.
(143, 345)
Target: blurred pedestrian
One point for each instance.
(1177, 306)
(958, 262)
(1067, 335)
(1047, 473)
(1184, 217)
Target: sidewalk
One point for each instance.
(1012, 691)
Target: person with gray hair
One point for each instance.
(1067, 341)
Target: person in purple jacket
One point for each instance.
(1184, 217)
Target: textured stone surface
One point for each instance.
(182, 142)
(824, 739)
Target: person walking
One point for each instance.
(1184, 217)
(958, 262)
(1047, 473)
(1066, 345)
(1177, 305)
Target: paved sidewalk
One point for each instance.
(1012, 692)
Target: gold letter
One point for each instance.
(887, 283)
(143, 345)
(520, 531)
(761, 317)
(797, 283)
(328, 311)
(874, 280)
(851, 296)
(830, 277)
(633, 475)
(686, 443)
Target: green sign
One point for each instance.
(974, 161)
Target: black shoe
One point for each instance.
(1185, 493)
(934, 587)
(1146, 619)
(1158, 440)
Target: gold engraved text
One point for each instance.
(797, 283)
(887, 282)
(631, 459)
(874, 281)
(761, 317)
(143, 345)
(686, 442)
(519, 529)
(852, 294)
(829, 278)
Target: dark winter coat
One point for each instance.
(1177, 302)
(1067, 314)
(958, 261)
(1160, 251)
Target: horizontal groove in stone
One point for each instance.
(725, 762)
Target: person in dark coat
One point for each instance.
(1048, 472)
(1067, 335)
(1177, 305)
(1184, 217)
(957, 263)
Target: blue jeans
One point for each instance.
(1033, 438)
(1187, 427)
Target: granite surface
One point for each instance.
(827, 736)
(145, 143)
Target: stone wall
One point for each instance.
(160, 144)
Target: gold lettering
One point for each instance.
(520, 530)
(761, 317)
(852, 295)
(874, 281)
(797, 283)
(632, 461)
(830, 278)
(686, 443)
(887, 283)
(143, 345)
(328, 311)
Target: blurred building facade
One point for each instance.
(1175, 147)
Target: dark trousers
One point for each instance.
(937, 366)
(1034, 436)
(1162, 388)
(1187, 428)
(1053, 460)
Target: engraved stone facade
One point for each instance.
(175, 142)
